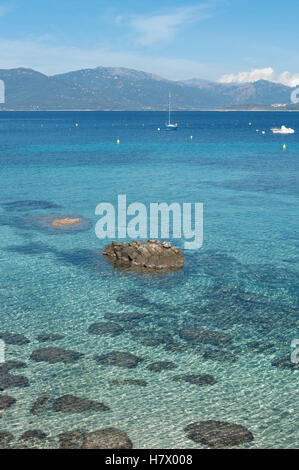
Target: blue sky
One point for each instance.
(227, 40)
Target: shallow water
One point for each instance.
(242, 282)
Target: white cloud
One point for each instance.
(286, 78)
(151, 29)
(289, 79)
(50, 59)
(247, 77)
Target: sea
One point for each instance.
(242, 282)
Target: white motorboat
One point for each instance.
(283, 130)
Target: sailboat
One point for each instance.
(169, 126)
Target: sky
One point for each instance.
(218, 40)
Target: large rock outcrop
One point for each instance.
(218, 434)
(148, 257)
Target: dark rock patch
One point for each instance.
(285, 363)
(33, 434)
(137, 382)
(199, 335)
(219, 355)
(72, 404)
(218, 434)
(5, 437)
(5, 367)
(260, 347)
(53, 355)
(109, 438)
(147, 257)
(21, 206)
(175, 346)
(40, 404)
(45, 337)
(195, 379)
(104, 328)
(71, 439)
(6, 402)
(119, 358)
(151, 342)
(161, 365)
(133, 297)
(14, 338)
(13, 381)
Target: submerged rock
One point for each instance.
(109, 438)
(218, 434)
(260, 347)
(14, 338)
(199, 335)
(72, 404)
(195, 379)
(26, 205)
(219, 355)
(53, 355)
(5, 367)
(6, 402)
(5, 437)
(175, 346)
(103, 328)
(137, 382)
(151, 342)
(40, 404)
(148, 257)
(285, 363)
(45, 337)
(71, 439)
(119, 358)
(66, 222)
(33, 434)
(161, 365)
(13, 381)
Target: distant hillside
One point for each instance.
(106, 88)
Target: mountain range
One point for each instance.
(111, 88)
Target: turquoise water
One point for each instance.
(242, 282)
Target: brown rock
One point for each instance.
(14, 338)
(109, 438)
(129, 381)
(199, 335)
(196, 379)
(71, 439)
(45, 337)
(40, 404)
(66, 222)
(12, 381)
(161, 365)
(218, 434)
(6, 402)
(53, 355)
(148, 257)
(72, 404)
(5, 437)
(5, 367)
(105, 328)
(119, 358)
(33, 434)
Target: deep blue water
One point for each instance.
(242, 282)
